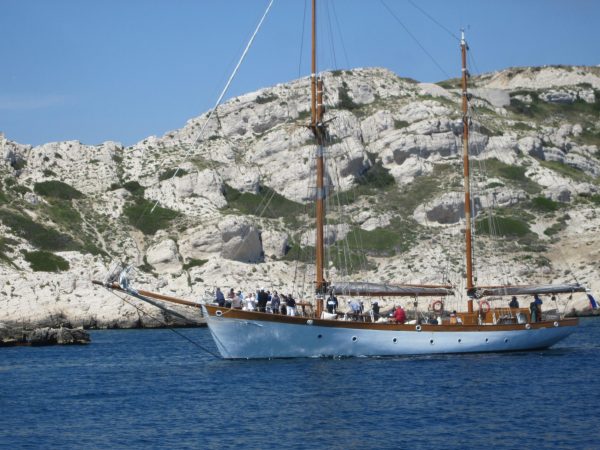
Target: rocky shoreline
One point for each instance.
(10, 336)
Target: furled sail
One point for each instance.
(377, 289)
(532, 289)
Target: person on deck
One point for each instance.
(533, 309)
(538, 303)
(332, 303)
(219, 298)
(262, 299)
(291, 305)
(355, 307)
(375, 308)
(236, 302)
(275, 302)
(514, 303)
(250, 302)
(229, 299)
(400, 315)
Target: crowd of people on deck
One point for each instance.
(263, 300)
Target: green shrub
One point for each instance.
(544, 204)
(139, 216)
(20, 189)
(266, 98)
(399, 124)
(267, 203)
(56, 189)
(503, 226)
(194, 263)
(38, 235)
(134, 187)
(568, 171)
(168, 174)
(345, 101)
(41, 261)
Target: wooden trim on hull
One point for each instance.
(229, 313)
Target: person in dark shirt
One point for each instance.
(332, 304)
(514, 303)
(261, 299)
(219, 298)
(375, 310)
(291, 305)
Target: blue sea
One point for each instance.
(154, 389)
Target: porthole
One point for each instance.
(431, 341)
(309, 322)
(354, 338)
(505, 340)
(487, 340)
(219, 313)
(556, 324)
(319, 336)
(395, 340)
(459, 340)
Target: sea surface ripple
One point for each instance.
(153, 389)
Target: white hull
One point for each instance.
(243, 338)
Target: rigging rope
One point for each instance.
(434, 21)
(223, 92)
(415, 39)
(200, 346)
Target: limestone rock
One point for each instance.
(165, 257)
(275, 243)
(241, 241)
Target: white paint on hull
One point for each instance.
(238, 338)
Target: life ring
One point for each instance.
(437, 306)
(484, 306)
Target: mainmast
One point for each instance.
(316, 125)
(466, 173)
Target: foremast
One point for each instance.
(467, 175)
(318, 129)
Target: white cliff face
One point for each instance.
(376, 122)
(541, 78)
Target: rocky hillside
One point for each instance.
(237, 211)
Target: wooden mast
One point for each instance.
(316, 126)
(466, 173)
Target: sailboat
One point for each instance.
(240, 334)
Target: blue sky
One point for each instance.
(126, 69)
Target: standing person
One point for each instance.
(400, 315)
(514, 303)
(332, 303)
(291, 305)
(249, 302)
(355, 307)
(375, 308)
(262, 298)
(275, 302)
(538, 304)
(236, 302)
(219, 298)
(533, 311)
